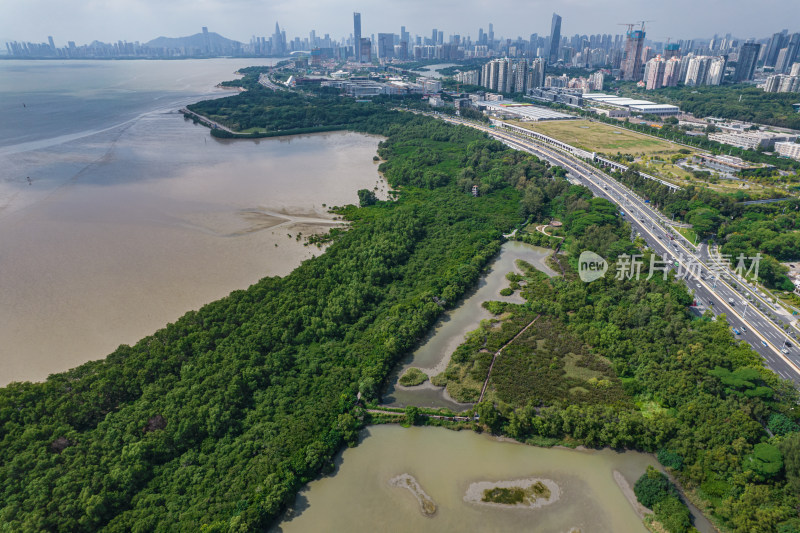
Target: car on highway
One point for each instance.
(788, 344)
(698, 285)
(785, 351)
(735, 331)
(730, 301)
(744, 329)
(764, 344)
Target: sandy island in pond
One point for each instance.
(538, 492)
(406, 481)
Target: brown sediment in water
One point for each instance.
(121, 245)
(406, 481)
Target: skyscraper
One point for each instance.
(716, 71)
(788, 55)
(357, 36)
(206, 42)
(632, 57)
(778, 41)
(365, 54)
(746, 64)
(655, 73)
(671, 72)
(277, 41)
(698, 70)
(555, 38)
(385, 45)
(503, 74)
(490, 75)
(521, 77)
(536, 73)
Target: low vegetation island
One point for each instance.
(531, 493)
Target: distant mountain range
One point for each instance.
(210, 42)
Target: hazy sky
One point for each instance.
(142, 20)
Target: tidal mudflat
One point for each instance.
(122, 232)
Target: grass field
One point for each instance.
(598, 137)
(689, 233)
(652, 153)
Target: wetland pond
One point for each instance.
(434, 353)
(362, 496)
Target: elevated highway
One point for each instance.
(772, 338)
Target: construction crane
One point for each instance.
(643, 21)
(630, 26)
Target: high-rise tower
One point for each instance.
(746, 64)
(277, 41)
(655, 73)
(536, 73)
(632, 57)
(788, 55)
(357, 36)
(775, 45)
(555, 38)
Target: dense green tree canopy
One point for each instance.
(214, 422)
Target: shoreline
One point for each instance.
(627, 491)
(5, 57)
(221, 131)
(209, 245)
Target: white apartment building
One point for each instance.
(749, 140)
(788, 149)
(781, 83)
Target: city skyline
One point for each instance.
(143, 20)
